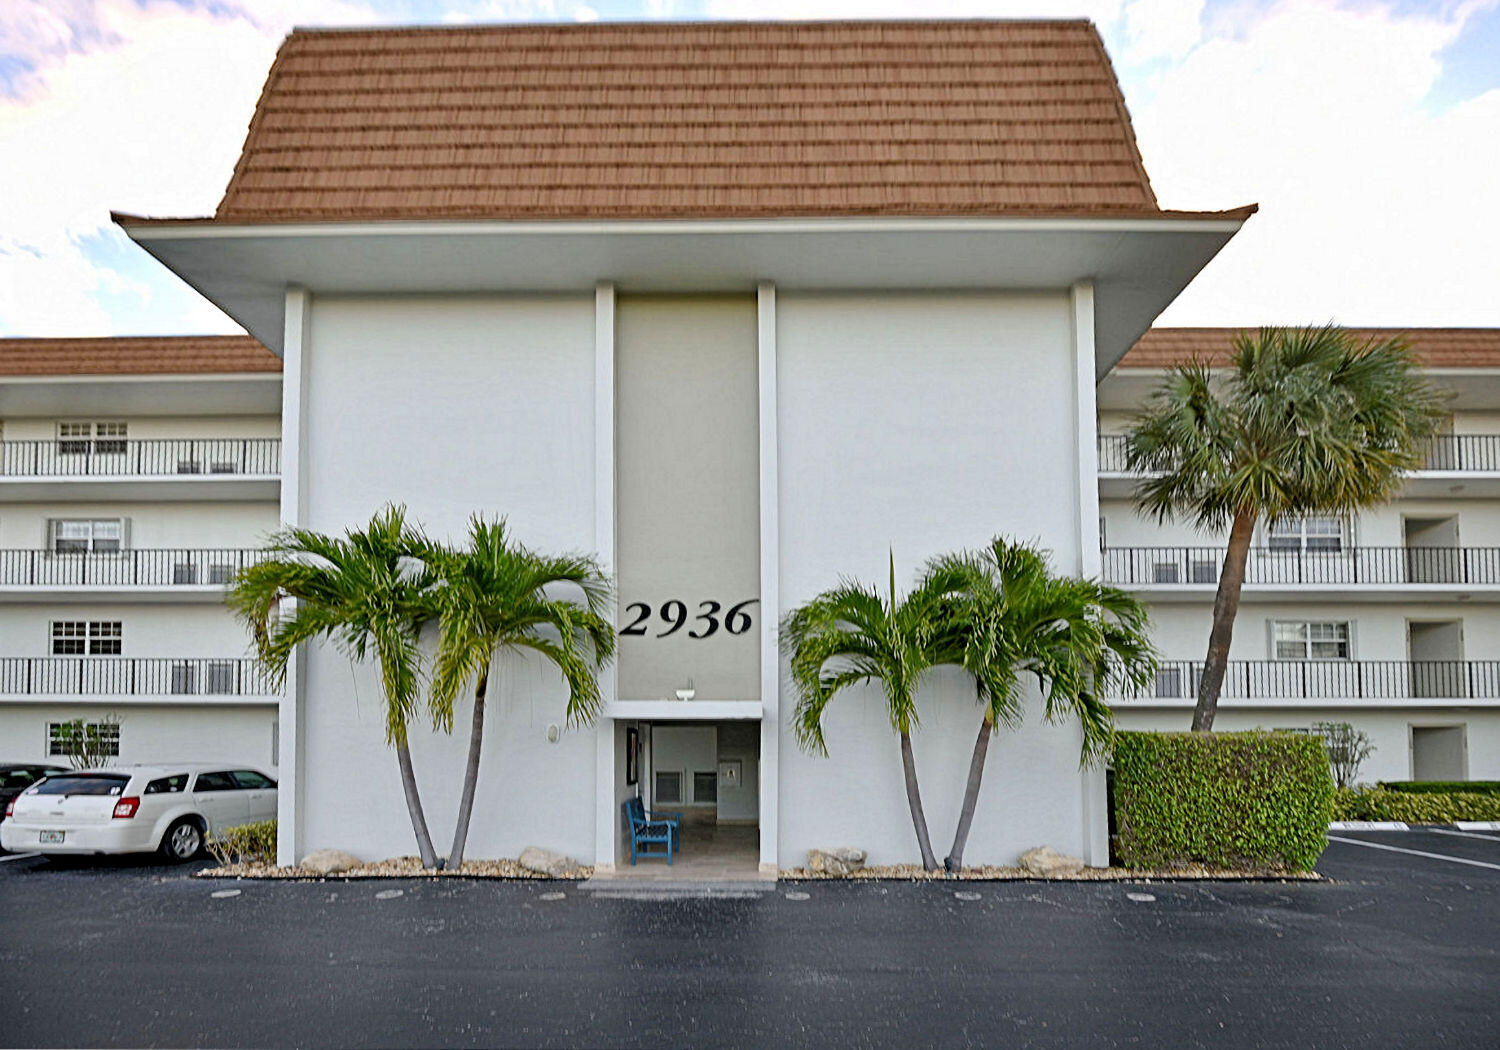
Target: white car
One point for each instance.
(136, 809)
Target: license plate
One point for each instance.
(52, 838)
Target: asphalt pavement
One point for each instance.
(1395, 949)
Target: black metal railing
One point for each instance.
(1134, 566)
(1463, 453)
(1337, 679)
(132, 676)
(118, 457)
(127, 568)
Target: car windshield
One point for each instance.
(83, 784)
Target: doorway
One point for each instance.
(1432, 550)
(1439, 752)
(1435, 649)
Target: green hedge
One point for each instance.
(1415, 807)
(1236, 800)
(1443, 787)
(245, 844)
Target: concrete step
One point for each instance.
(674, 889)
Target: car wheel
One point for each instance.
(183, 841)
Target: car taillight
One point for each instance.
(126, 807)
(10, 808)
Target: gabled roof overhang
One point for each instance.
(1137, 264)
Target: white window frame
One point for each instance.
(93, 635)
(56, 525)
(681, 787)
(1308, 641)
(79, 437)
(109, 734)
(1298, 537)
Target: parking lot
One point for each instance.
(1395, 949)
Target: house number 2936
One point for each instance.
(674, 617)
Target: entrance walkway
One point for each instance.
(709, 853)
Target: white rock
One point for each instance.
(843, 860)
(330, 861)
(545, 862)
(1048, 863)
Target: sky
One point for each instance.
(1368, 132)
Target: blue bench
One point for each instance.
(652, 828)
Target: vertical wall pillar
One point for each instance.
(606, 821)
(770, 577)
(1091, 562)
(298, 321)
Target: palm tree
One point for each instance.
(1080, 640)
(850, 635)
(496, 595)
(1308, 421)
(367, 593)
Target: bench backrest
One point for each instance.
(635, 813)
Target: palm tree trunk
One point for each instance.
(414, 805)
(914, 800)
(1226, 606)
(955, 859)
(471, 770)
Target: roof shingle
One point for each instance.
(136, 355)
(1434, 347)
(674, 120)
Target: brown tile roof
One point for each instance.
(681, 120)
(136, 355)
(1436, 347)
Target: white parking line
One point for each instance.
(1415, 852)
(1465, 834)
(18, 856)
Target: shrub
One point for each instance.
(1239, 800)
(245, 844)
(1443, 787)
(1415, 807)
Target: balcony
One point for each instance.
(171, 679)
(1457, 465)
(170, 575)
(1317, 683)
(117, 468)
(1365, 573)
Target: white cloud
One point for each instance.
(1162, 28)
(137, 107)
(1373, 208)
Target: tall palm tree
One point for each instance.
(1308, 421)
(1081, 641)
(849, 636)
(497, 596)
(367, 593)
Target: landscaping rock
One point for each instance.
(844, 860)
(545, 862)
(330, 861)
(1047, 863)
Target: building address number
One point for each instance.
(673, 615)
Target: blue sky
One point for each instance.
(1368, 132)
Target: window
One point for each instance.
(184, 678)
(706, 786)
(83, 784)
(220, 574)
(1311, 640)
(250, 780)
(1317, 535)
(87, 638)
(77, 439)
(86, 535)
(104, 736)
(215, 782)
(167, 785)
(219, 677)
(1165, 572)
(1169, 683)
(184, 572)
(668, 787)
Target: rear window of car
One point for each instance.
(214, 782)
(83, 784)
(167, 785)
(249, 779)
(15, 778)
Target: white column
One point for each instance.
(606, 820)
(298, 320)
(1095, 808)
(770, 577)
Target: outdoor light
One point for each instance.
(688, 692)
(553, 733)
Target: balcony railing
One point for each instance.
(1464, 453)
(1337, 679)
(1138, 566)
(127, 568)
(118, 457)
(132, 676)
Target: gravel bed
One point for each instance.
(396, 868)
(915, 873)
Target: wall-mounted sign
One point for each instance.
(672, 615)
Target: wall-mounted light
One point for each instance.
(553, 733)
(687, 692)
